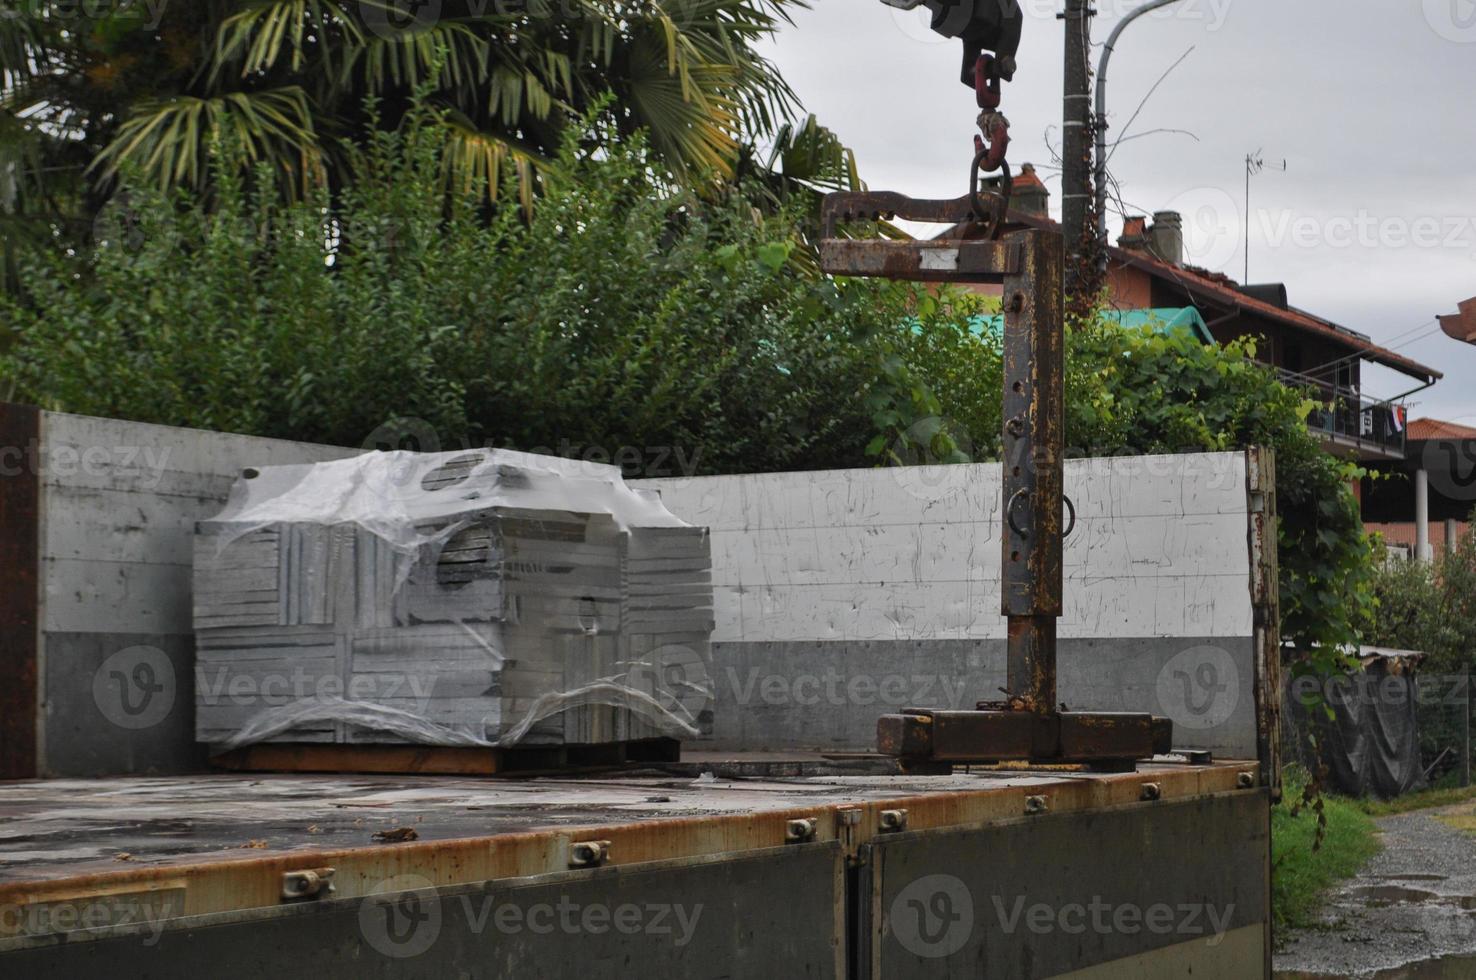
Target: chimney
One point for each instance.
(1167, 236)
(1134, 234)
(1267, 292)
(1028, 195)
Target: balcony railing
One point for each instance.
(1346, 419)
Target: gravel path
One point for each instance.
(1414, 905)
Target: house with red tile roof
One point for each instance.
(1147, 271)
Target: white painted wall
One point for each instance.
(1159, 550)
(841, 596)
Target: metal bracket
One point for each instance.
(801, 830)
(893, 821)
(589, 853)
(314, 883)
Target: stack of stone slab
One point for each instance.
(482, 598)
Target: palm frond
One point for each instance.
(256, 38)
(168, 140)
(815, 156)
(474, 159)
(691, 121)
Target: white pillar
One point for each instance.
(1422, 515)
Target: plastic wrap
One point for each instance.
(487, 598)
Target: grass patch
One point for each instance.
(1300, 876)
(1463, 820)
(1445, 796)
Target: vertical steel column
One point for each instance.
(1034, 441)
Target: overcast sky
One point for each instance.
(1369, 102)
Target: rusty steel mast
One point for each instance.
(1028, 723)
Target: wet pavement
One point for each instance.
(1409, 915)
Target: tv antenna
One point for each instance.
(1254, 164)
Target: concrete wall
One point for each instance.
(839, 596)
(114, 647)
(843, 595)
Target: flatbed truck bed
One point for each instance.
(843, 874)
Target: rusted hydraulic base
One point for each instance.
(925, 741)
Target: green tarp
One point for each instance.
(1162, 320)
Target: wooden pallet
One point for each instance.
(444, 760)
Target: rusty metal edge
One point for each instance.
(20, 597)
(1260, 467)
(921, 261)
(234, 883)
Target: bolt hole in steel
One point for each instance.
(1035, 805)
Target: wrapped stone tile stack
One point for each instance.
(482, 598)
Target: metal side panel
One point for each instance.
(767, 914)
(20, 530)
(1169, 889)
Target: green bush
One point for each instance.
(624, 319)
(625, 313)
(1144, 392)
(1430, 607)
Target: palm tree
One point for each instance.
(297, 84)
